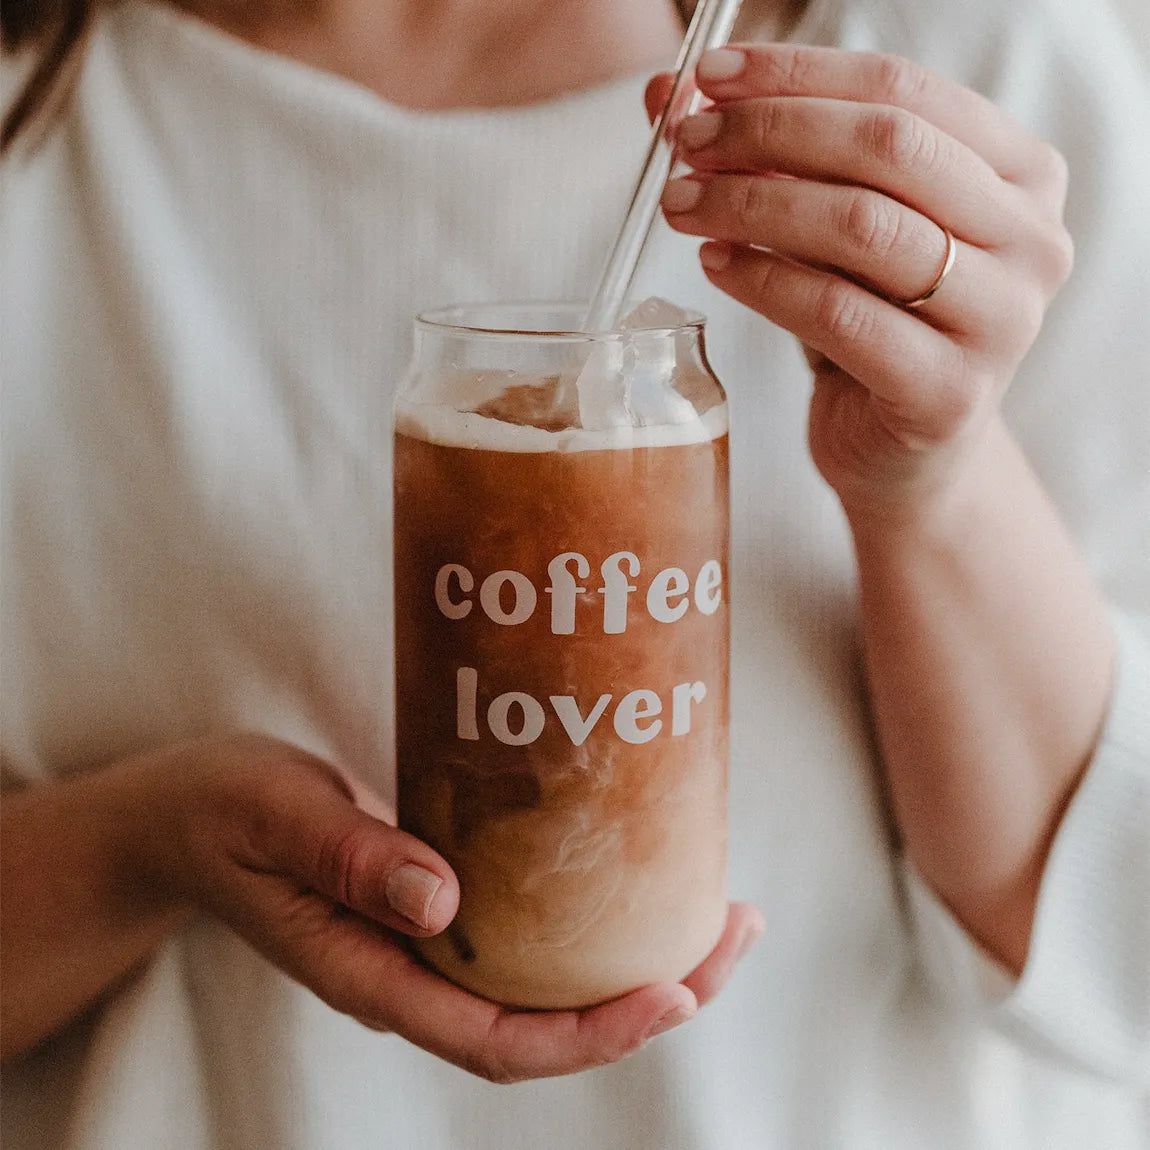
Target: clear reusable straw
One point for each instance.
(710, 27)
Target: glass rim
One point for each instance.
(452, 319)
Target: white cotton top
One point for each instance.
(210, 269)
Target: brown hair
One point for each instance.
(58, 29)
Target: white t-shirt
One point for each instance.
(210, 269)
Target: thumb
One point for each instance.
(369, 866)
(658, 92)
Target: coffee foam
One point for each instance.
(436, 423)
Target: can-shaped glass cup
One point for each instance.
(562, 647)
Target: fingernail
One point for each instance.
(721, 64)
(697, 131)
(410, 892)
(753, 934)
(681, 195)
(715, 257)
(675, 1017)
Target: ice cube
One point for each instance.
(649, 373)
(629, 382)
(601, 389)
(655, 312)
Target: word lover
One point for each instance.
(636, 718)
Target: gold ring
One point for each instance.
(944, 271)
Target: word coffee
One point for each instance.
(672, 583)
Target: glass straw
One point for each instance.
(710, 27)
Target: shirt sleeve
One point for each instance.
(1083, 996)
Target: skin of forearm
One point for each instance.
(989, 659)
(75, 917)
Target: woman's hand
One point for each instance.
(830, 182)
(272, 841)
(826, 178)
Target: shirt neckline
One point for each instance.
(296, 80)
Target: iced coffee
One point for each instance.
(561, 596)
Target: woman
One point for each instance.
(221, 241)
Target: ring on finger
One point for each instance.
(947, 266)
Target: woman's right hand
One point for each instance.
(279, 846)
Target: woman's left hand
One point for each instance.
(827, 179)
